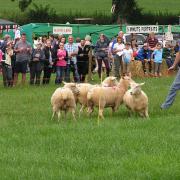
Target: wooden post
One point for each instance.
(90, 64)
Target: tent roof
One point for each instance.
(6, 22)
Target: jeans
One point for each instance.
(72, 67)
(118, 64)
(7, 75)
(172, 92)
(169, 62)
(60, 73)
(35, 72)
(106, 63)
(144, 66)
(157, 67)
(47, 74)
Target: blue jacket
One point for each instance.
(143, 54)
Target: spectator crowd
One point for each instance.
(61, 55)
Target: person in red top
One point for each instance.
(152, 42)
(61, 63)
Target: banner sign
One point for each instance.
(142, 29)
(62, 30)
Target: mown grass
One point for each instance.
(120, 147)
(92, 6)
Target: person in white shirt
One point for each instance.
(127, 58)
(118, 52)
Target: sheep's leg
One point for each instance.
(65, 113)
(90, 110)
(59, 115)
(82, 108)
(53, 116)
(74, 114)
(146, 113)
(101, 114)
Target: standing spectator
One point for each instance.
(61, 63)
(127, 58)
(157, 60)
(6, 66)
(23, 52)
(144, 55)
(101, 49)
(48, 62)
(36, 64)
(72, 50)
(1, 58)
(118, 52)
(152, 42)
(167, 55)
(83, 60)
(120, 34)
(175, 85)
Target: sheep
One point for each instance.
(110, 81)
(136, 100)
(83, 88)
(103, 97)
(63, 100)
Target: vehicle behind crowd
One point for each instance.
(61, 55)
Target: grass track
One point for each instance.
(33, 147)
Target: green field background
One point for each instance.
(91, 6)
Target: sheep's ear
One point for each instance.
(133, 84)
(114, 78)
(141, 84)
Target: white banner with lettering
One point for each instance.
(62, 30)
(142, 29)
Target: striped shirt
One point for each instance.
(152, 42)
(71, 48)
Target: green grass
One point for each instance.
(33, 147)
(91, 6)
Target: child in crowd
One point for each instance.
(167, 55)
(6, 66)
(127, 58)
(61, 63)
(157, 60)
(144, 55)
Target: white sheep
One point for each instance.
(136, 100)
(110, 81)
(103, 97)
(83, 88)
(63, 100)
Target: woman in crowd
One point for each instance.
(48, 62)
(36, 64)
(101, 49)
(118, 52)
(61, 63)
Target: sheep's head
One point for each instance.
(135, 88)
(125, 81)
(110, 81)
(72, 86)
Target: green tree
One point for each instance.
(23, 4)
(125, 10)
(42, 13)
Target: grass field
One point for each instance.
(33, 147)
(91, 6)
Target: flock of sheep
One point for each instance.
(110, 93)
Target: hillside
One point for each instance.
(91, 6)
